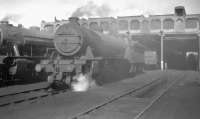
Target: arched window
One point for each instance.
(168, 24)
(191, 23)
(104, 25)
(135, 25)
(93, 25)
(49, 28)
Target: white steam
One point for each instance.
(13, 18)
(82, 83)
(92, 10)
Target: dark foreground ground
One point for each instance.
(181, 101)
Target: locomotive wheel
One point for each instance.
(59, 85)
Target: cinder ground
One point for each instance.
(182, 101)
(132, 105)
(70, 104)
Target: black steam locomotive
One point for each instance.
(20, 50)
(81, 51)
(72, 51)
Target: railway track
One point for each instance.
(127, 98)
(22, 93)
(133, 92)
(157, 98)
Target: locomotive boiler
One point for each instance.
(20, 50)
(81, 51)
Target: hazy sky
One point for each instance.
(31, 12)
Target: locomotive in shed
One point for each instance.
(82, 52)
(20, 50)
(71, 53)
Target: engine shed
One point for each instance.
(171, 41)
(174, 38)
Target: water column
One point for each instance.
(162, 52)
(199, 50)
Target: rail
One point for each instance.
(21, 93)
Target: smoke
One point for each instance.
(92, 10)
(11, 17)
(82, 82)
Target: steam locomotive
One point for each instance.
(72, 52)
(80, 51)
(20, 50)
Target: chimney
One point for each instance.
(180, 11)
(74, 20)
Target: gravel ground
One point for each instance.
(69, 104)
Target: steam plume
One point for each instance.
(92, 10)
(11, 17)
